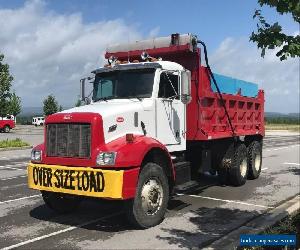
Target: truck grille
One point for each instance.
(69, 140)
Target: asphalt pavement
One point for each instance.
(194, 220)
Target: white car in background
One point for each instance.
(38, 121)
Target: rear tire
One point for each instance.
(61, 203)
(6, 129)
(238, 170)
(149, 206)
(224, 159)
(254, 160)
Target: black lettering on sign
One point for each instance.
(44, 172)
(78, 181)
(72, 178)
(42, 176)
(67, 173)
(61, 176)
(92, 182)
(35, 175)
(57, 182)
(49, 177)
(40, 173)
(100, 182)
(85, 181)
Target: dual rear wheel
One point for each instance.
(241, 163)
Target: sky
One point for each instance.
(51, 44)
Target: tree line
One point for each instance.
(10, 103)
(283, 120)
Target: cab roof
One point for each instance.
(166, 65)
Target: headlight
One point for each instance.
(36, 155)
(106, 158)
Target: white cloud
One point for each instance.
(49, 52)
(280, 79)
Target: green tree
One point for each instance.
(271, 36)
(50, 105)
(14, 104)
(5, 84)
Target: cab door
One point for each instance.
(170, 112)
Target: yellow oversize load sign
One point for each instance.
(76, 180)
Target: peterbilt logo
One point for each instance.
(67, 117)
(120, 119)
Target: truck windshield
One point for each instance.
(123, 84)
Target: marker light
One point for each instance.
(129, 138)
(145, 56)
(112, 60)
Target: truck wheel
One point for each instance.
(148, 207)
(60, 203)
(238, 170)
(223, 162)
(6, 129)
(254, 160)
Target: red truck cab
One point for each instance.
(7, 123)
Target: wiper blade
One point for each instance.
(140, 98)
(105, 98)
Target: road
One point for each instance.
(193, 220)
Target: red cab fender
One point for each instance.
(132, 154)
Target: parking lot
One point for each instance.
(195, 219)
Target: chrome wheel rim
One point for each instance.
(257, 162)
(152, 196)
(243, 168)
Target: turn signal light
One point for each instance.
(129, 138)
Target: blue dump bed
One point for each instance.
(229, 85)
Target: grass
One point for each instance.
(292, 127)
(289, 225)
(285, 226)
(16, 143)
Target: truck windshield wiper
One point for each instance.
(140, 98)
(105, 98)
(137, 97)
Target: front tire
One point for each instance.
(254, 160)
(61, 203)
(6, 129)
(149, 206)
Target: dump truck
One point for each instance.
(158, 119)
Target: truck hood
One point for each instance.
(110, 107)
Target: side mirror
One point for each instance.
(82, 89)
(186, 96)
(84, 98)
